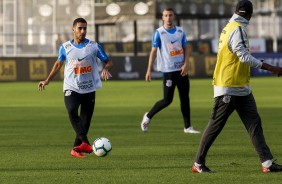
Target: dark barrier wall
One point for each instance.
(125, 68)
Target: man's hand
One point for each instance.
(184, 70)
(105, 74)
(273, 69)
(148, 76)
(277, 71)
(42, 84)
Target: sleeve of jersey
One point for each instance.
(156, 40)
(101, 54)
(184, 40)
(62, 54)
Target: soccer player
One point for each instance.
(81, 80)
(170, 47)
(232, 90)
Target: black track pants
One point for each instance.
(80, 123)
(247, 111)
(170, 81)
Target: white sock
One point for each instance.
(198, 165)
(267, 163)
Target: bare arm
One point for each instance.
(184, 68)
(105, 74)
(56, 67)
(274, 69)
(152, 58)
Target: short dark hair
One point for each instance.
(79, 20)
(169, 9)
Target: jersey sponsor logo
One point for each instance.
(176, 52)
(82, 70)
(175, 48)
(82, 67)
(178, 65)
(84, 85)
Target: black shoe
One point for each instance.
(200, 169)
(273, 168)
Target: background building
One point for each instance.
(37, 27)
(31, 32)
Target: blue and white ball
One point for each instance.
(102, 146)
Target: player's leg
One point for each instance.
(72, 102)
(248, 113)
(183, 86)
(223, 107)
(168, 93)
(87, 109)
(86, 112)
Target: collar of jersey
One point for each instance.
(171, 31)
(81, 45)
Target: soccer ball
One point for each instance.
(102, 146)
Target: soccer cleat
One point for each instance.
(200, 169)
(191, 130)
(77, 154)
(145, 123)
(84, 147)
(273, 168)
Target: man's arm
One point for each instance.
(56, 67)
(238, 44)
(274, 69)
(151, 61)
(185, 67)
(103, 56)
(105, 74)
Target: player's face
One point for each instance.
(168, 17)
(79, 31)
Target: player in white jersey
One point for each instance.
(81, 80)
(170, 47)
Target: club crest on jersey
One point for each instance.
(226, 99)
(68, 45)
(68, 93)
(168, 83)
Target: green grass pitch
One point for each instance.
(36, 136)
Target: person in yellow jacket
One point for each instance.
(232, 90)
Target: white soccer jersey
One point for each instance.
(170, 57)
(81, 73)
